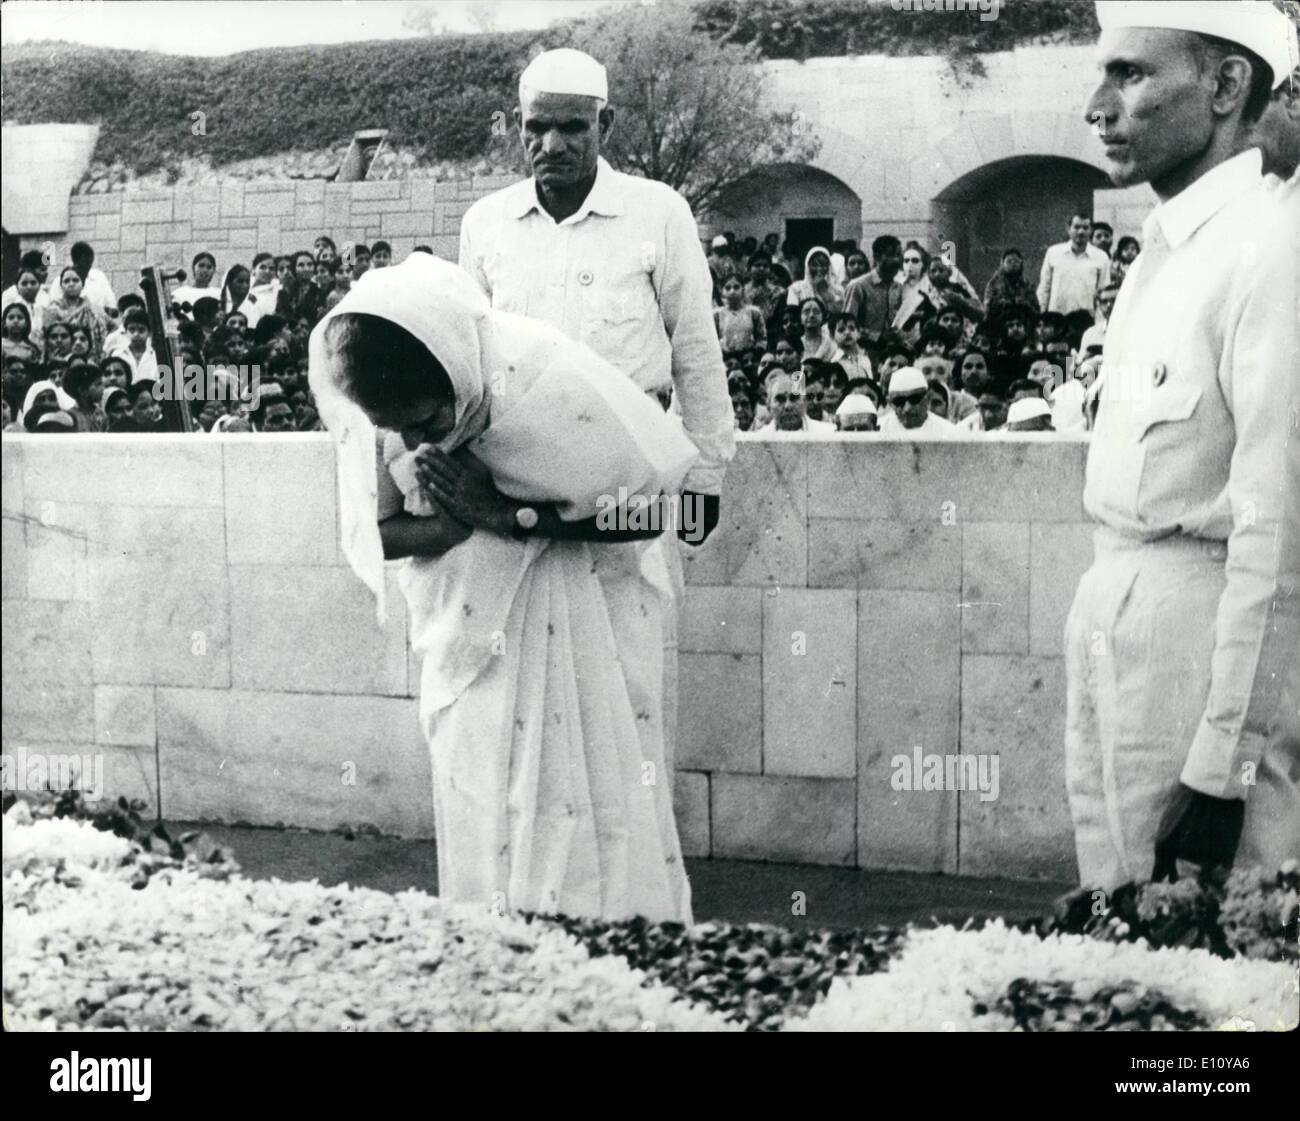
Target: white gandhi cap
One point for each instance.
(565, 71)
(856, 404)
(907, 380)
(1027, 408)
(1253, 24)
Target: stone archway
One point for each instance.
(1023, 201)
(785, 197)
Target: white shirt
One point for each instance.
(814, 429)
(146, 366)
(1070, 281)
(1193, 429)
(260, 301)
(933, 428)
(624, 274)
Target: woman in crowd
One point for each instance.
(816, 339)
(17, 337)
(540, 632)
(44, 393)
(27, 291)
(117, 409)
(82, 344)
(234, 291)
(71, 309)
(817, 283)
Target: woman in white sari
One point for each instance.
(537, 615)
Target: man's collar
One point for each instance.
(1185, 213)
(603, 198)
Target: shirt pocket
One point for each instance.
(1166, 433)
(617, 294)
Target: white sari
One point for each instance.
(541, 685)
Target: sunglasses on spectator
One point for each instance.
(908, 398)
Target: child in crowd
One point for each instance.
(381, 255)
(265, 290)
(321, 247)
(138, 353)
(27, 290)
(84, 383)
(360, 260)
(816, 339)
(848, 353)
(739, 324)
(116, 372)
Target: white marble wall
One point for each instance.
(179, 606)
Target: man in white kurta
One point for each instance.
(613, 261)
(1182, 713)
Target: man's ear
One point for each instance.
(605, 119)
(1231, 85)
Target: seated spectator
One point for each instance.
(935, 340)
(47, 418)
(1029, 414)
(16, 339)
(939, 400)
(1008, 288)
(990, 416)
(788, 409)
(27, 291)
(762, 290)
(848, 353)
(855, 265)
(16, 378)
(815, 339)
(321, 247)
(202, 281)
(742, 404)
(1051, 327)
(145, 413)
(944, 287)
(837, 385)
(116, 404)
(1076, 322)
(274, 413)
(72, 309)
(1026, 388)
(264, 293)
(866, 389)
(44, 393)
(788, 354)
(739, 324)
(721, 264)
(305, 297)
(115, 371)
(950, 322)
(971, 373)
(234, 291)
(857, 413)
(381, 255)
(236, 321)
(814, 388)
(360, 260)
(84, 383)
(82, 344)
(909, 404)
(283, 269)
(94, 286)
(938, 371)
(817, 283)
(207, 315)
(138, 354)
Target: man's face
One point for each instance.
(911, 408)
(939, 272)
(561, 135)
(203, 272)
(743, 408)
(380, 259)
(950, 321)
(1152, 107)
(1016, 331)
(846, 335)
(856, 265)
(1013, 264)
(278, 417)
(1079, 230)
(814, 396)
(138, 333)
(1106, 303)
(859, 422)
(785, 402)
(1101, 238)
(974, 374)
(1277, 132)
(993, 411)
(787, 356)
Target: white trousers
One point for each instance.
(1139, 643)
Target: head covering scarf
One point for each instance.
(441, 306)
(39, 387)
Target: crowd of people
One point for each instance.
(891, 341)
(77, 358)
(900, 340)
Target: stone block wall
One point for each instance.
(179, 607)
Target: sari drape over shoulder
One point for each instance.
(541, 683)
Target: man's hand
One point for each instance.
(707, 508)
(1199, 829)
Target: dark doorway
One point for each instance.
(804, 233)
